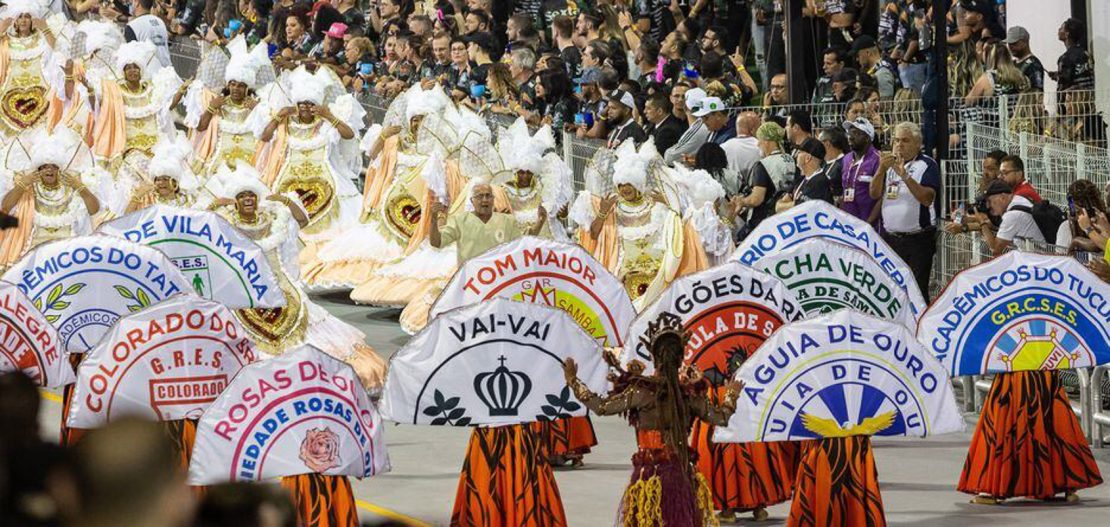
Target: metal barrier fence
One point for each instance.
(1057, 147)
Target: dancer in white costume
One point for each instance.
(425, 266)
(89, 60)
(132, 115)
(45, 187)
(273, 222)
(533, 182)
(224, 122)
(172, 182)
(28, 71)
(410, 166)
(702, 197)
(634, 232)
(308, 155)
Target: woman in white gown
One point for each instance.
(307, 155)
(28, 73)
(273, 222)
(133, 114)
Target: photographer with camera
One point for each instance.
(1017, 221)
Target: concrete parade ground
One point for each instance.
(918, 477)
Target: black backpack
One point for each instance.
(1049, 217)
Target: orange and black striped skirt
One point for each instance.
(322, 501)
(1028, 442)
(744, 476)
(836, 485)
(567, 436)
(506, 481)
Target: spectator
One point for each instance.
(1017, 218)
(832, 63)
(555, 101)
(908, 182)
(872, 63)
(245, 505)
(1012, 172)
(696, 134)
(330, 50)
(772, 176)
(386, 11)
(1002, 76)
(592, 101)
(476, 21)
(480, 46)
(992, 164)
(716, 118)
(353, 17)
(126, 474)
(420, 25)
(678, 101)
(27, 463)
(1073, 69)
(360, 64)
(437, 69)
(588, 27)
(1084, 198)
(776, 100)
(799, 127)
(145, 26)
(841, 19)
(858, 169)
(298, 40)
(911, 58)
(743, 150)
(1017, 40)
(712, 40)
(619, 111)
(815, 184)
(716, 83)
(522, 67)
(562, 30)
(646, 58)
(458, 77)
(835, 141)
(663, 126)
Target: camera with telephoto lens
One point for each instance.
(978, 205)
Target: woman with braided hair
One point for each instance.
(666, 487)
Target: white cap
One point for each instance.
(694, 98)
(861, 124)
(710, 105)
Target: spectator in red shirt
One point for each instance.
(1012, 171)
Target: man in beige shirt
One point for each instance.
(480, 230)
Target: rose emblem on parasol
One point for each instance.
(320, 450)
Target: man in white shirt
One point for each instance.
(743, 151)
(146, 26)
(1017, 218)
(908, 182)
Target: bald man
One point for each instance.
(743, 150)
(479, 230)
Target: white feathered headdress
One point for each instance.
(14, 8)
(140, 53)
(169, 159)
(424, 102)
(521, 151)
(243, 179)
(699, 188)
(58, 149)
(99, 35)
(631, 167)
(307, 87)
(243, 65)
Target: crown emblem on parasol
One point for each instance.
(501, 390)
